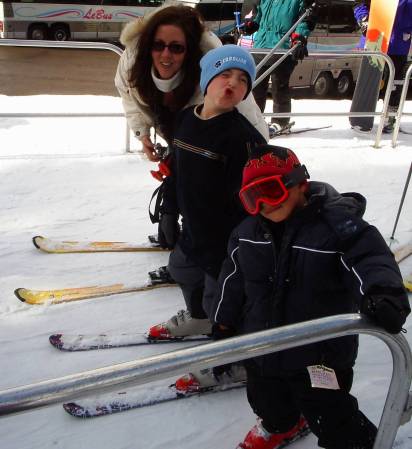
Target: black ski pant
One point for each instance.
(280, 90)
(197, 286)
(332, 415)
(399, 61)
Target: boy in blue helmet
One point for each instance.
(304, 253)
(210, 148)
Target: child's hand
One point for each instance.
(387, 311)
(149, 149)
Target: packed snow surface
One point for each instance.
(71, 179)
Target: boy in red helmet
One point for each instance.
(304, 253)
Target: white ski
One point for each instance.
(62, 246)
(83, 342)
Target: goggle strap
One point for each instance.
(295, 177)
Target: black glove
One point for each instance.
(168, 231)
(387, 311)
(363, 25)
(301, 51)
(249, 27)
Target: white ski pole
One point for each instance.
(277, 63)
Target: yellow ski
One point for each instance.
(408, 283)
(402, 252)
(76, 294)
(62, 246)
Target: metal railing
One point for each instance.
(119, 51)
(401, 106)
(357, 53)
(72, 45)
(397, 409)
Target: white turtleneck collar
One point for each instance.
(167, 85)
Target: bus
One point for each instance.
(96, 20)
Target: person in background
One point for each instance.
(158, 73)
(399, 47)
(304, 253)
(272, 21)
(210, 147)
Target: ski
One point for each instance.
(157, 279)
(408, 283)
(120, 402)
(58, 296)
(62, 246)
(287, 130)
(402, 252)
(83, 342)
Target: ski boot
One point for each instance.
(153, 239)
(161, 276)
(180, 326)
(390, 121)
(278, 130)
(259, 438)
(205, 379)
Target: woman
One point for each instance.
(158, 73)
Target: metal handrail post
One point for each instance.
(389, 86)
(127, 138)
(396, 410)
(227, 351)
(401, 106)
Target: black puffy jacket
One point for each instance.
(322, 261)
(208, 160)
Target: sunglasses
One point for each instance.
(174, 47)
(272, 190)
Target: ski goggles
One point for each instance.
(174, 47)
(272, 190)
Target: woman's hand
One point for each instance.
(149, 149)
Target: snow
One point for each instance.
(70, 179)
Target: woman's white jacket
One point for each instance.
(139, 116)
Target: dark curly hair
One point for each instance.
(190, 22)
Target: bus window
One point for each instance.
(218, 11)
(341, 18)
(321, 18)
(132, 2)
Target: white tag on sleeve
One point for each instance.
(323, 377)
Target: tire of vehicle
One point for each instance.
(37, 32)
(344, 84)
(323, 84)
(60, 32)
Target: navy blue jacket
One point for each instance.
(322, 261)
